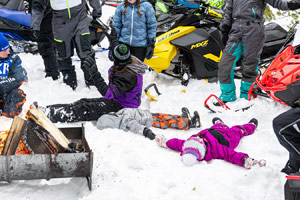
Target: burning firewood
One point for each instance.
(18, 127)
(45, 132)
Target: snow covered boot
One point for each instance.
(217, 120)
(195, 121)
(70, 78)
(185, 113)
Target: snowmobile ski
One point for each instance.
(223, 105)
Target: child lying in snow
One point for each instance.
(138, 121)
(217, 142)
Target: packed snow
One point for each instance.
(130, 166)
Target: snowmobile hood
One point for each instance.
(139, 67)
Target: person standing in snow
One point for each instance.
(123, 90)
(216, 142)
(243, 34)
(70, 27)
(137, 120)
(12, 75)
(41, 23)
(287, 129)
(135, 25)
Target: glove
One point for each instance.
(148, 133)
(161, 140)
(225, 31)
(249, 162)
(112, 37)
(90, 64)
(97, 14)
(150, 48)
(293, 4)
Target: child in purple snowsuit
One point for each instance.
(216, 142)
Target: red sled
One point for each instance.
(281, 80)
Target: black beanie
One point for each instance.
(121, 55)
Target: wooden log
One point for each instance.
(17, 129)
(57, 137)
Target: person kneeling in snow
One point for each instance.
(216, 142)
(138, 121)
(12, 75)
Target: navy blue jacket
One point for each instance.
(12, 74)
(135, 30)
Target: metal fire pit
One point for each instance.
(47, 166)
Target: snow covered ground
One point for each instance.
(130, 167)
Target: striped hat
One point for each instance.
(121, 55)
(193, 149)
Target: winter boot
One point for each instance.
(218, 104)
(185, 113)
(254, 121)
(288, 169)
(70, 78)
(217, 120)
(195, 121)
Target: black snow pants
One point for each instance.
(287, 129)
(46, 47)
(82, 110)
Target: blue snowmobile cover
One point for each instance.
(16, 16)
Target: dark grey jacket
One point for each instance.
(249, 10)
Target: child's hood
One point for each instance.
(139, 68)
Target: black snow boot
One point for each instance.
(185, 113)
(254, 121)
(70, 78)
(195, 121)
(216, 120)
(289, 169)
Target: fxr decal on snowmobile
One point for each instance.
(167, 36)
(200, 44)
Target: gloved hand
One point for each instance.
(150, 48)
(96, 14)
(249, 162)
(161, 140)
(225, 32)
(90, 64)
(112, 38)
(293, 4)
(148, 133)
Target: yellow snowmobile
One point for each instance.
(192, 47)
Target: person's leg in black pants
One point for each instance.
(287, 129)
(81, 110)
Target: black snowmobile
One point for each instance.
(275, 35)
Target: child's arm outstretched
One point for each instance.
(240, 158)
(174, 144)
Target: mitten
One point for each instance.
(161, 140)
(293, 4)
(112, 38)
(150, 48)
(148, 133)
(225, 32)
(90, 64)
(249, 162)
(262, 163)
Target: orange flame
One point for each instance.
(21, 148)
